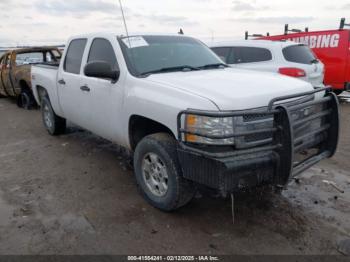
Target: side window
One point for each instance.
(102, 50)
(29, 58)
(223, 53)
(253, 54)
(50, 57)
(74, 57)
(56, 54)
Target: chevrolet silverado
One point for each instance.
(188, 118)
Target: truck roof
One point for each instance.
(109, 34)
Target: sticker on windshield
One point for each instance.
(135, 41)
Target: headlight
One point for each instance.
(209, 126)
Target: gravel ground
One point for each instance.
(74, 195)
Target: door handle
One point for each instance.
(85, 88)
(61, 82)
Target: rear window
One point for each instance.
(29, 58)
(74, 56)
(299, 54)
(252, 54)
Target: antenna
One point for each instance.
(126, 27)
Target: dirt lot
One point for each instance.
(74, 195)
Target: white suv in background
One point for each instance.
(284, 57)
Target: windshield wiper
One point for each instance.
(314, 61)
(217, 65)
(183, 68)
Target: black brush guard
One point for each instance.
(273, 163)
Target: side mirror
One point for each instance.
(101, 69)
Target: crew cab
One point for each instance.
(172, 102)
(283, 57)
(15, 68)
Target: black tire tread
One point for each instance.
(185, 190)
(59, 122)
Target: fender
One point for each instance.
(159, 103)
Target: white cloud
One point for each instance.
(280, 20)
(53, 21)
(239, 5)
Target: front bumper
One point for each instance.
(296, 145)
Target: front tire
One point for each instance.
(158, 173)
(54, 124)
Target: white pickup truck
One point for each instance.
(188, 118)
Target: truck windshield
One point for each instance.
(159, 54)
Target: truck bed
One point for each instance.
(44, 75)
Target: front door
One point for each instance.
(105, 95)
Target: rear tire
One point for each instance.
(158, 173)
(26, 100)
(54, 124)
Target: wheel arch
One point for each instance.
(140, 127)
(24, 85)
(25, 90)
(41, 92)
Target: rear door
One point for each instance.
(74, 101)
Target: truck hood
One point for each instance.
(233, 89)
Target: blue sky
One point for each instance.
(53, 21)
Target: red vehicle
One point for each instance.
(332, 47)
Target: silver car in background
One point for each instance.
(284, 57)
